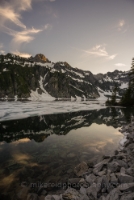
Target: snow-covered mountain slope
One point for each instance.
(108, 81)
(37, 78)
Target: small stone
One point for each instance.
(101, 173)
(90, 179)
(122, 163)
(71, 194)
(113, 195)
(126, 187)
(130, 171)
(122, 170)
(48, 197)
(124, 178)
(92, 190)
(114, 166)
(113, 179)
(83, 191)
(56, 197)
(98, 167)
(80, 169)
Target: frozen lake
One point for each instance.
(18, 110)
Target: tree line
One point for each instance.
(128, 97)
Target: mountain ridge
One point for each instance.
(37, 78)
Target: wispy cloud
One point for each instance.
(20, 37)
(121, 23)
(100, 51)
(22, 4)
(47, 27)
(122, 26)
(11, 12)
(25, 55)
(8, 14)
(120, 65)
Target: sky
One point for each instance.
(93, 35)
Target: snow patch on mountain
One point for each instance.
(124, 85)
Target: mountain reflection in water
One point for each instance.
(47, 148)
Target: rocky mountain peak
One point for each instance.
(40, 58)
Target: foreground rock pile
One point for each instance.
(110, 179)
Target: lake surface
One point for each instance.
(46, 148)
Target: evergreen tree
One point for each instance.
(112, 101)
(128, 98)
(113, 97)
(131, 82)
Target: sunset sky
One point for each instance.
(94, 35)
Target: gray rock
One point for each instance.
(122, 170)
(91, 191)
(98, 167)
(130, 171)
(90, 179)
(127, 196)
(83, 183)
(101, 173)
(113, 179)
(114, 166)
(84, 197)
(71, 194)
(126, 187)
(122, 163)
(102, 198)
(99, 184)
(83, 191)
(124, 178)
(80, 169)
(56, 197)
(113, 195)
(48, 197)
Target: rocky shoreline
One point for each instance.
(110, 179)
